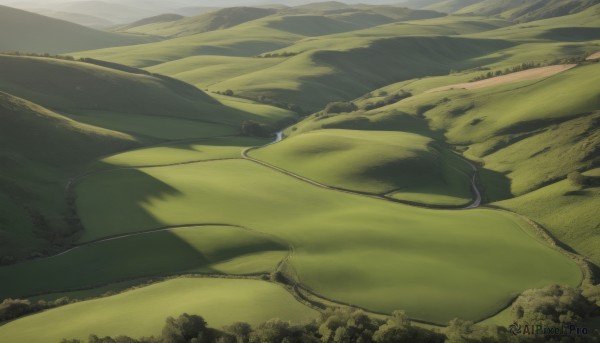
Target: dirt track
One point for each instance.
(530, 74)
(594, 56)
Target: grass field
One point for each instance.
(373, 161)
(142, 312)
(332, 244)
(193, 150)
(112, 176)
(208, 250)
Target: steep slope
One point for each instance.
(29, 32)
(78, 88)
(221, 19)
(42, 148)
(38, 150)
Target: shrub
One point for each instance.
(577, 179)
(228, 92)
(340, 107)
(253, 129)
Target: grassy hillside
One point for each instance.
(525, 11)
(89, 91)
(30, 32)
(142, 312)
(568, 211)
(331, 245)
(514, 10)
(247, 39)
(316, 78)
(375, 162)
(194, 150)
(162, 18)
(217, 20)
(34, 214)
(112, 103)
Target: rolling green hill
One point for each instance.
(514, 10)
(318, 77)
(30, 32)
(377, 162)
(526, 11)
(112, 103)
(422, 192)
(89, 91)
(162, 18)
(218, 20)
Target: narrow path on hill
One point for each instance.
(279, 137)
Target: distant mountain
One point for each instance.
(30, 32)
(114, 12)
(325, 6)
(77, 18)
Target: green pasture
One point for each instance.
(155, 127)
(208, 250)
(338, 251)
(247, 39)
(181, 152)
(203, 71)
(142, 312)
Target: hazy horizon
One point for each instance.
(223, 3)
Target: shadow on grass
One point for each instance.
(495, 186)
(572, 34)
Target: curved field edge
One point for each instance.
(142, 312)
(207, 249)
(376, 162)
(338, 252)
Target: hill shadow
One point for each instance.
(572, 34)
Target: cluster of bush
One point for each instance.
(227, 92)
(581, 181)
(281, 54)
(46, 55)
(550, 306)
(526, 66)
(15, 308)
(286, 106)
(340, 107)
(517, 68)
(389, 99)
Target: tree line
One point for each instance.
(553, 306)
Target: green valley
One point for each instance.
(422, 171)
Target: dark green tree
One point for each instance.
(183, 329)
